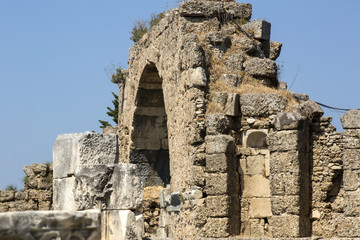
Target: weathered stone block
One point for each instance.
(259, 67)
(348, 227)
(292, 229)
(352, 204)
(253, 165)
(50, 225)
(285, 141)
(233, 105)
(218, 40)
(64, 194)
(234, 62)
(221, 184)
(195, 77)
(220, 162)
(219, 98)
(223, 206)
(6, 196)
(260, 29)
(351, 138)
(199, 175)
(217, 228)
(260, 208)
(121, 224)
(310, 109)
(238, 10)
(351, 119)
(246, 44)
(282, 184)
(275, 50)
(255, 186)
(220, 144)
(217, 124)
(285, 162)
(231, 80)
(285, 204)
(289, 121)
(351, 180)
(82, 148)
(261, 104)
(351, 159)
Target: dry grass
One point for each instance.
(214, 107)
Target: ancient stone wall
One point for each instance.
(37, 192)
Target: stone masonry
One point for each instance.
(209, 145)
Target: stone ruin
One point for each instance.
(209, 145)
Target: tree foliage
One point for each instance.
(143, 26)
(112, 112)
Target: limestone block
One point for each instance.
(50, 225)
(348, 227)
(231, 80)
(275, 50)
(218, 40)
(220, 144)
(82, 148)
(223, 206)
(289, 121)
(221, 184)
(259, 67)
(260, 29)
(217, 228)
(255, 186)
(220, 162)
(285, 162)
(261, 104)
(285, 204)
(351, 159)
(110, 130)
(212, 9)
(192, 54)
(310, 109)
(300, 97)
(285, 141)
(219, 98)
(351, 119)
(351, 180)
(246, 44)
(217, 124)
(64, 195)
(195, 77)
(253, 165)
(126, 188)
(285, 226)
(121, 225)
(351, 138)
(199, 175)
(260, 208)
(282, 184)
(352, 204)
(233, 105)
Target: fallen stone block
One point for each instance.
(261, 104)
(351, 119)
(50, 225)
(259, 29)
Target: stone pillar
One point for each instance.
(289, 177)
(351, 179)
(222, 187)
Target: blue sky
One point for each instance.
(53, 55)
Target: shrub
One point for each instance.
(139, 29)
(112, 112)
(11, 188)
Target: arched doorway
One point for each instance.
(149, 148)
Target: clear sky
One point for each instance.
(53, 55)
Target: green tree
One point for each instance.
(112, 112)
(139, 29)
(11, 188)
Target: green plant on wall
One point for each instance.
(11, 188)
(112, 112)
(143, 26)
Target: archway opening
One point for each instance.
(149, 147)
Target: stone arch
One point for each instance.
(149, 137)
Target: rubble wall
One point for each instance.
(37, 192)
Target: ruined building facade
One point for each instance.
(210, 144)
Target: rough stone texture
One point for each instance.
(258, 67)
(110, 187)
(83, 148)
(50, 225)
(351, 119)
(37, 192)
(220, 144)
(261, 104)
(233, 105)
(310, 109)
(289, 121)
(284, 141)
(217, 124)
(275, 50)
(260, 29)
(217, 227)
